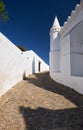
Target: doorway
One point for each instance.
(39, 66)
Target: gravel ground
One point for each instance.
(39, 103)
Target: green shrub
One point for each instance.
(21, 48)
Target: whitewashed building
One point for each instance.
(15, 64)
(34, 64)
(66, 50)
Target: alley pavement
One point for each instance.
(39, 103)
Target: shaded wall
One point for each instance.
(77, 50)
(71, 52)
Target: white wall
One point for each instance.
(65, 54)
(32, 63)
(71, 52)
(76, 44)
(15, 64)
(54, 46)
(11, 64)
(70, 81)
(55, 61)
(76, 65)
(54, 54)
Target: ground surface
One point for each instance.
(39, 103)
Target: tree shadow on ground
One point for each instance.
(44, 81)
(45, 119)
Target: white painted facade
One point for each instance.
(66, 50)
(15, 64)
(34, 64)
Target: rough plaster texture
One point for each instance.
(15, 65)
(71, 51)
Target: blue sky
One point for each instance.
(30, 22)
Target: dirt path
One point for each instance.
(39, 103)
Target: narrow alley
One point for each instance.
(39, 103)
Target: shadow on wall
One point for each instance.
(33, 65)
(24, 76)
(45, 119)
(44, 81)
